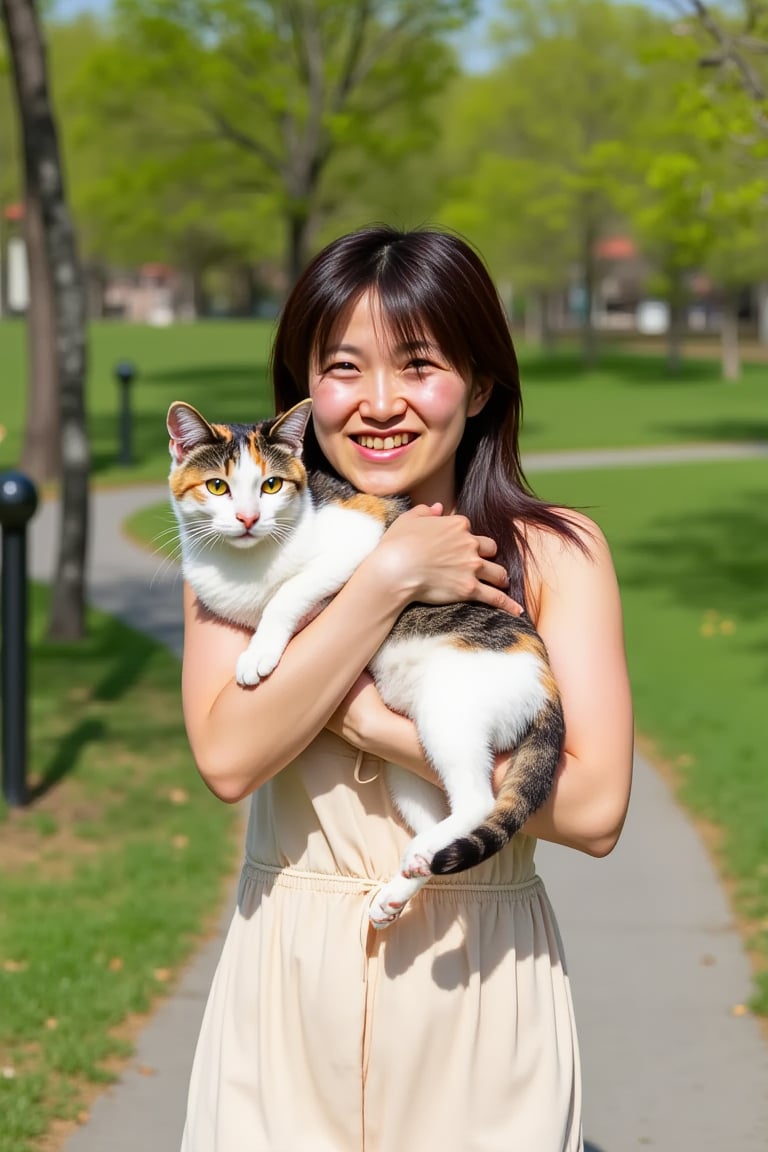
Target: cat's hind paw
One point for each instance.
(384, 909)
(415, 866)
(417, 860)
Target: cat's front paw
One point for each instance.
(254, 664)
(390, 900)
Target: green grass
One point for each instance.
(108, 877)
(690, 543)
(221, 368)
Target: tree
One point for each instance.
(543, 128)
(56, 317)
(695, 204)
(724, 92)
(272, 92)
(735, 44)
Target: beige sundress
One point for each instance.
(451, 1030)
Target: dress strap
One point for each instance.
(358, 765)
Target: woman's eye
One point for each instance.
(420, 366)
(217, 486)
(272, 485)
(340, 366)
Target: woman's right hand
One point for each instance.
(436, 559)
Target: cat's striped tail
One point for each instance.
(526, 785)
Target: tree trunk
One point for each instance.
(59, 284)
(588, 332)
(533, 320)
(41, 449)
(547, 331)
(298, 244)
(675, 331)
(762, 312)
(729, 340)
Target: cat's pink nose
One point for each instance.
(247, 521)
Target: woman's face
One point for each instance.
(390, 418)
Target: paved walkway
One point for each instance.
(658, 969)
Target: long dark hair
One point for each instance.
(428, 283)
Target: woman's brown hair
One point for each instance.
(428, 283)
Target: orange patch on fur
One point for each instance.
(186, 480)
(371, 505)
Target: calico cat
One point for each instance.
(265, 544)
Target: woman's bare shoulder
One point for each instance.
(555, 558)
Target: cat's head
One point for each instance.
(236, 483)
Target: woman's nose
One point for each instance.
(382, 399)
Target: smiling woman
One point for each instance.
(401, 343)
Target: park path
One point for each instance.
(670, 1060)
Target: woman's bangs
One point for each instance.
(413, 322)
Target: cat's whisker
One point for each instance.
(169, 561)
(165, 534)
(280, 533)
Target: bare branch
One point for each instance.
(237, 136)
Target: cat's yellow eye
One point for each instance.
(271, 485)
(216, 486)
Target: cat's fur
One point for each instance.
(474, 680)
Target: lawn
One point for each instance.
(108, 878)
(221, 368)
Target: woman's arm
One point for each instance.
(579, 619)
(241, 737)
(578, 615)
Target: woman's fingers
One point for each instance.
(486, 547)
(451, 563)
(487, 594)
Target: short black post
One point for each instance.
(18, 501)
(125, 374)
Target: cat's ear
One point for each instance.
(289, 428)
(187, 428)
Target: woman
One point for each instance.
(453, 1029)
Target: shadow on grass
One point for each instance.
(66, 755)
(100, 670)
(720, 430)
(567, 365)
(714, 560)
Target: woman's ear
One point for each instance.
(482, 386)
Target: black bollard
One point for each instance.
(125, 374)
(18, 501)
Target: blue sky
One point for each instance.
(473, 47)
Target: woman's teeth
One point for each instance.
(383, 442)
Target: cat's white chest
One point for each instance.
(327, 542)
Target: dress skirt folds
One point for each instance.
(450, 1031)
